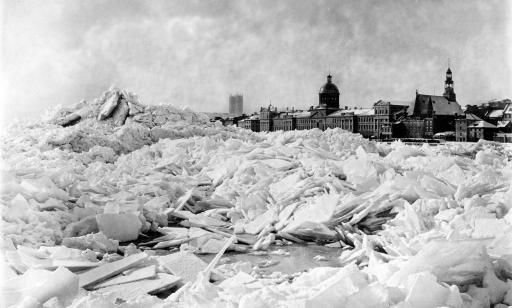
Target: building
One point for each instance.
(266, 118)
(344, 119)
(236, 105)
(386, 114)
(364, 122)
(507, 111)
(481, 130)
(233, 120)
(252, 123)
(425, 117)
(416, 127)
(493, 117)
(328, 103)
(462, 126)
(434, 114)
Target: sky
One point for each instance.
(196, 53)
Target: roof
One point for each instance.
(472, 116)
(329, 87)
(508, 109)
(440, 105)
(396, 103)
(342, 112)
(365, 111)
(502, 124)
(496, 113)
(302, 114)
(481, 124)
(409, 104)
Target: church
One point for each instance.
(433, 114)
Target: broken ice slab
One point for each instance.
(134, 275)
(311, 231)
(457, 262)
(43, 188)
(95, 242)
(158, 204)
(69, 120)
(490, 227)
(101, 273)
(334, 290)
(198, 220)
(121, 227)
(110, 104)
(120, 113)
(35, 287)
(183, 264)
(425, 292)
(261, 221)
(172, 243)
(132, 290)
(53, 257)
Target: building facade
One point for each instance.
(426, 116)
(386, 114)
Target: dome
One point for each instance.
(329, 87)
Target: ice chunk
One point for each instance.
(121, 227)
(261, 221)
(490, 227)
(95, 241)
(450, 261)
(334, 290)
(111, 101)
(320, 210)
(497, 288)
(120, 113)
(183, 264)
(424, 291)
(105, 271)
(35, 287)
(134, 275)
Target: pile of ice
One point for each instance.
(416, 226)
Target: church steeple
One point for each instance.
(449, 93)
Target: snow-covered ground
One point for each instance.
(417, 226)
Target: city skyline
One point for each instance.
(196, 53)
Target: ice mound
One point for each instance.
(119, 120)
(416, 226)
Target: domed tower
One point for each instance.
(449, 93)
(329, 95)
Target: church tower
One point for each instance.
(449, 93)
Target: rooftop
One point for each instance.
(440, 105)
(496, 113)
(481, 124)
(502, 124)
(329, 87)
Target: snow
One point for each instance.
(412, 220)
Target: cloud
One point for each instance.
(196, 53)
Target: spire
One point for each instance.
(449, 71)
(329, 78)
(449, 92)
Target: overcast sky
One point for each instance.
(196, 53)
